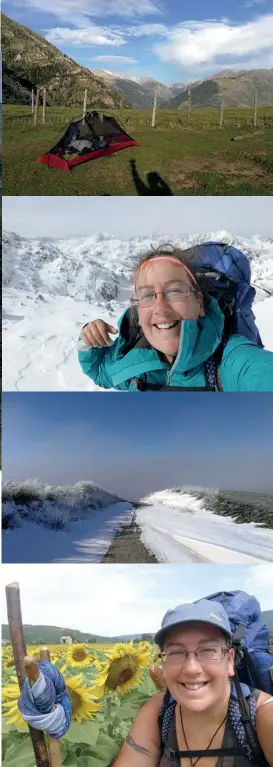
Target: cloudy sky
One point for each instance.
(130, 446)
(125, 599)
(166, 39)
(136, 216)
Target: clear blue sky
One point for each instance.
(133, 444)
(137, 596)
(170, 40)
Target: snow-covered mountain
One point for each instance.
(53, 287)
(136, 91)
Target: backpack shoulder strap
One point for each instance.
(242, 713)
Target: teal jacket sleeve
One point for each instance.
(246, 367)
(96, 362)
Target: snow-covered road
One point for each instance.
(192, 534)
(85, 541)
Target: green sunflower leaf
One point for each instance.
(19, 754)
(87, 732)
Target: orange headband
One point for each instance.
(167, 258)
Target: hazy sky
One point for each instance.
(137, 596)
(134, 216)
(138, 444)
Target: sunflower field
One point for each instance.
(107, 685)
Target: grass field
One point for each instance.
(178, 156)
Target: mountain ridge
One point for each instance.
(30, 61)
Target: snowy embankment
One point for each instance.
(73, 523)
(87, 540)
(178, 528)
(51, 288)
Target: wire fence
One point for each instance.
(236, 118)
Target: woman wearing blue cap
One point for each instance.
(207, 719)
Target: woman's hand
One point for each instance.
(96, 333)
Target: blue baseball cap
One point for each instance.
(203, 611)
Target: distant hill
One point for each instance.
(136, 91)
(239, 88)
(52, 635)
(30, 61)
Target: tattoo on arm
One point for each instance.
(140, 749)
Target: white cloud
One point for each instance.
(143, 30)
(123, 59)
(91, 35)
(203, 43)
(65, 8)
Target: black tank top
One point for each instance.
(229, 741)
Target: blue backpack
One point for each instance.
(250, 638)
(224, 273)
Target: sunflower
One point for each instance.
(145, 646)
(78, 656)
(10, 695)
(10, 662)
(122, 669)
(82, 699)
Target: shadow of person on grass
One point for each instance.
(155, 184)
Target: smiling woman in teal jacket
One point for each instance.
(172, 338)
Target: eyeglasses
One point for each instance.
(204, 655)
(148, 298)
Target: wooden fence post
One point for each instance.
(154, 108)
(222, 110)
(32, 100)
(255, 106)
(84, 105)
(189, 104)
(19, 653)
(36, 106)
(44, 105)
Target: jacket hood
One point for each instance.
(198, 339)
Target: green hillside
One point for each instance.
(30, 61)
(239, 91)
(52, 634)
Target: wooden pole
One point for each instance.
(19, 653)
(222, 110)
(189, 103)
(32, 672)
(154, 108)
(32, 100)
(36, 106)
(255, 107)
(44, 105)
(84, 105)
